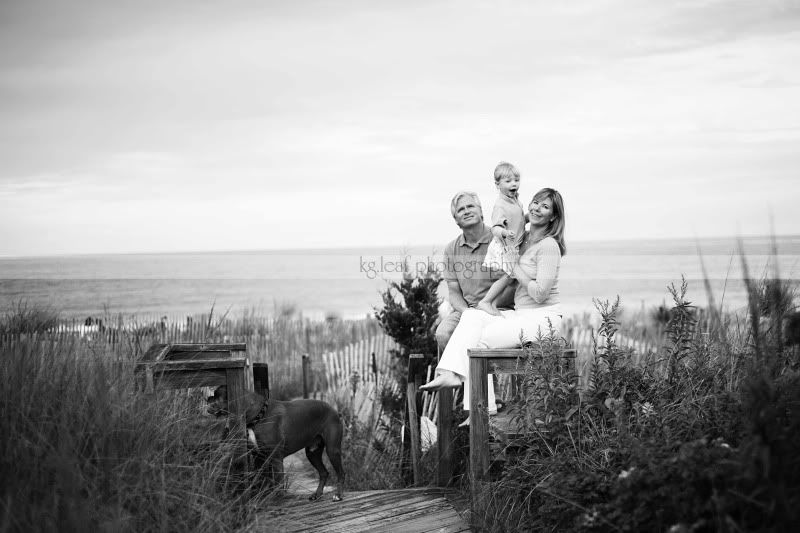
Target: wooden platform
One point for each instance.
(414, 510)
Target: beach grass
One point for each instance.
(84, 450)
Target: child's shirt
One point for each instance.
(509, 214)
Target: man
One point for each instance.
(467, 279)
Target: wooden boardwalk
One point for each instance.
(414, 510)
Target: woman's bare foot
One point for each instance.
(488, 307)
(445, 379)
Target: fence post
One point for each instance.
(414, 381)
(305, 375)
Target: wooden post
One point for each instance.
(444, 424)
(414, 380)
(261, 379)
(237, 387)
(479, 423)
(305, 375)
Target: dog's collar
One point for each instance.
(262, 413)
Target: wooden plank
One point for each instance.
(193, 355)
(407, 510)
(380, 509)
(479, 420)
(439, 521)
(400, 516)
(212, 364)
(331, 514)
(444, 422)
(156, 352)
(237, 388)
(189, 379)
(510, 353)
(206, 347)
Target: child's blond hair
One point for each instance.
(505, 170)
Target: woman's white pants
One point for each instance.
(478, 329)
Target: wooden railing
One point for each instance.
(481, 363)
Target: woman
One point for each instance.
(536, 301)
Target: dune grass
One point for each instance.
(83, 450)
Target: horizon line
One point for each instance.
(384, 246)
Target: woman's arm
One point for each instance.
(547, 260)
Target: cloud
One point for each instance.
(364, 111)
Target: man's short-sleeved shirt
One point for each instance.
(463, 263)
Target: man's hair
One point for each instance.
(557, 226)
(461, 194)
(505, 170)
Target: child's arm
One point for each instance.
(500, 233)
(499, 223)
(497, 288)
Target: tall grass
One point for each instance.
(703, 436)
(82, 450)
(24, 318)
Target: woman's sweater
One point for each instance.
(540, 261)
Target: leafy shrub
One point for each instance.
(410, 310)
(703, 437)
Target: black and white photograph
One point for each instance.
(413, 266)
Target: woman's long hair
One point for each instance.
(555, 228)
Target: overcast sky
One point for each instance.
(144, 125)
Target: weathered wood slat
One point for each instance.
(202, 364)
(512, 353)
(406, 510)
(438, 521)
(189, 379)
(200, 347)
(384, 509)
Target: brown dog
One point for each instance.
(281, 428)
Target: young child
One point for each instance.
(508, 227)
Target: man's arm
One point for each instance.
(455, 296)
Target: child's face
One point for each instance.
(508, 185)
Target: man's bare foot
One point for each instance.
(488, 307)
(445, 379)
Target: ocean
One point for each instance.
(348, 282)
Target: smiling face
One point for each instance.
(541, 211)
(508, 185)
(467, 212)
